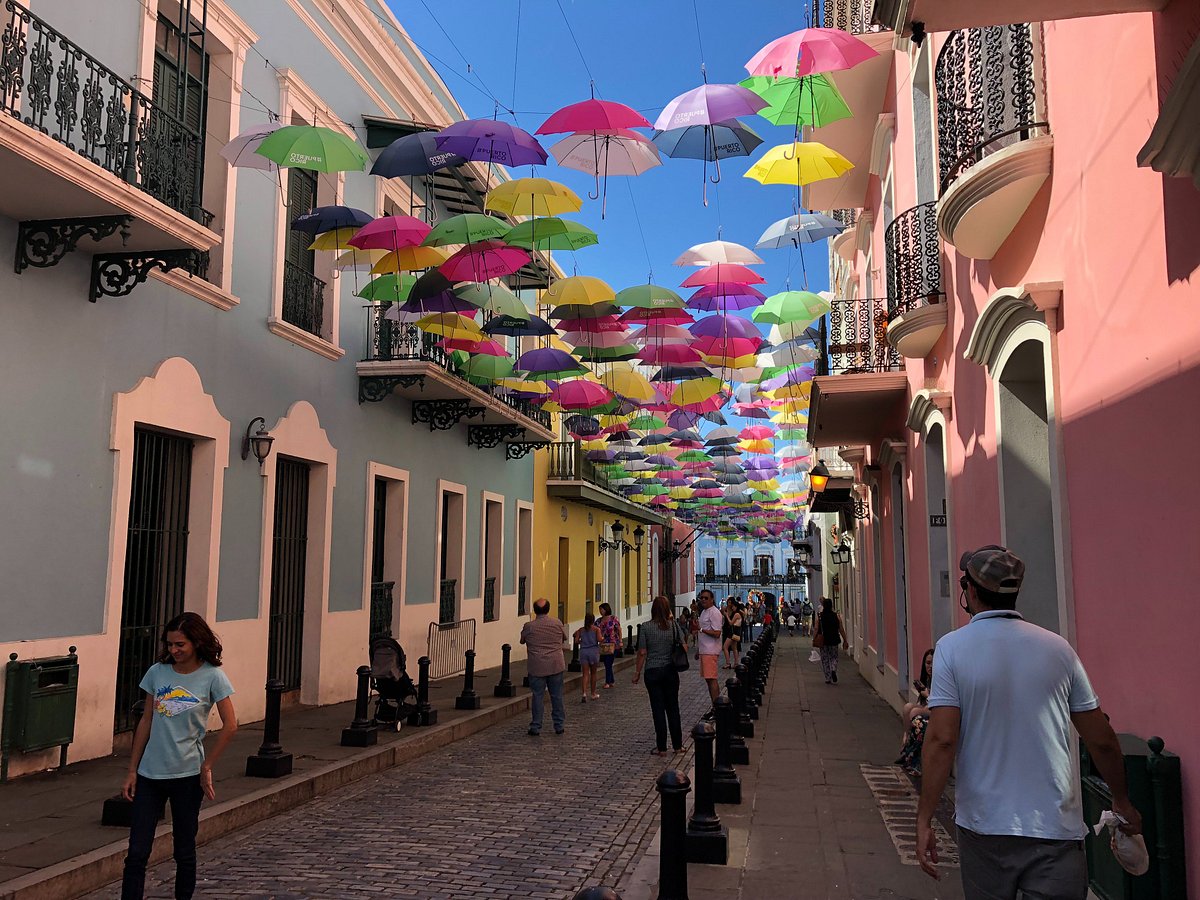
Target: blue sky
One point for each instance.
(642, 54)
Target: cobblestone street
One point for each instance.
(501, 814)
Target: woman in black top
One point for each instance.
(655, 641)
(833, 634)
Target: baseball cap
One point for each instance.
(994, 568)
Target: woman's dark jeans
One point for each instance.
(607, 659)
(149, 799)
(663, 686)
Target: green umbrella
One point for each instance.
(646, 422)
(390, 288)
(792, 434)
(493, 297)
(551, 233)
(606, 354)
(482, 368)
(791, 306)
(465, 229)
(693, 456)
(812, 100)
(649, 296)
(313, 147)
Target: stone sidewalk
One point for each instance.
(52, 844)
(824, 814)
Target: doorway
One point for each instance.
(450, 565)
(939, 532)
(289, 562)
(1024, 439)
(900, 575)
(564, 577)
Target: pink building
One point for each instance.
(1013, 354)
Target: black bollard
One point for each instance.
(468, 699)
(424, 714)
(673, 787)
(362, 731)
(739, 753)
(749, 707)
(597, 893)
(270, 761)
(573, 665)
(505, 688)
(727, 787)
(629, 645)
(707, 838)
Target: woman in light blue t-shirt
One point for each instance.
(168, 760)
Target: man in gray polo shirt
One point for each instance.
(1005, 694)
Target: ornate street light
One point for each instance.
(617, 542)
(259, 443)
(818, 477)
(840, 555)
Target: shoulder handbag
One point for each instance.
(679, 657)
(818, 634)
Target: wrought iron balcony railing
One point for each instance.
(855, 339)
(914, 259)
(853, 16)
(50, 83)
(847, 217)
(988, 97)
(568, 463)
(303, 298)
(490, 613)
(389, 341)
(753, 579)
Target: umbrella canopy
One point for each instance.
(709, 104)
(491, 141)
(649, 296)
(241, 151)
(725, 296)
(718, 273)
(450, 325)
(358, 259)
(488, 368)
(581, 394)
(791, 306)
(407, 259)
(313, 147)
(623, 153)
(579, 289)
(414, 154)
(493, 297)
(337, 239)
(799, 164)
(812, 100)
(465, 229)
(708, 142)
(546, 359)
(390, 233)
(483, 260)
(532, 197)
(327, 218)
(725, 327)
(605, 339)
(391, 288)
(714, 252)
(809, 50)
(516, 326)
(551, 234)
(806, 228)
(593, 115)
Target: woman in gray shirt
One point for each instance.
(655, 640)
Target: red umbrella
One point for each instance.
(580, 394)
(483, 260)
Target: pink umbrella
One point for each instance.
(596, 339)
(721, 272)
(593, 115)
(666, 316)
(390, 233)
(486, 347)
(581, 394)
(725, 296)
(600, 154)
(757, 433)
(808, 51)
(483, 260)
(669, 355)
(731, 348)
(591, 326)
(658, 331)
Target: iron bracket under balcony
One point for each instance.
(46, 242)
(442, 415)
(117, 274)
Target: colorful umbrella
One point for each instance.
(581, 394)
(708, 104)
(327, 218)
(808, 51)
(791, 306)
(714, 252)
(806, 228)
(337, 239)
(812, 100)
(579, 290)
(551, 234)
(516, 326)
(390, 233)
(601, 154)
(414, 154)
(313, 147)
(240, 152)
(483, 260)
(390, 288)
(495, 298)
(593, 115)
(491, 141)
(649, 296)
(466, 228)
(725, 296)
(450, 325)
(532, 197)
(719, 273)
(798, 164)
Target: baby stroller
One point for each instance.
(390, 681)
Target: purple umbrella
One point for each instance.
(546, 359)
(445, 302)
(725, 327)
(798, 375)
(725, 296)
(488, 140)
(682, 418)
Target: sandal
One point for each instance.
(595, 696)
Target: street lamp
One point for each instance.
(840, 555)
(617, 542)
(803, 551)
(258, 443)
(818, 477)
(638, 534)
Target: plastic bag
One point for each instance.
(1129, 849)
(815, 656)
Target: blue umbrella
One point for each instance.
(708, 142)
(414, 154)
(511, 325)
(327, 218)
(807, 228)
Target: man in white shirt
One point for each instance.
(709, 640)
(1005, 694)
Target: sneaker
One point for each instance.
(533, 732)
(833, 677)
(559, 730)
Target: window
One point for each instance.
(493, 531)
(451, 529)
(710, 567)
(303, 292)
(735, 567)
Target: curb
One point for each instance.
(104, 865)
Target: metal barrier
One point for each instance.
(448, 641)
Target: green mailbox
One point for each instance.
(39, 706)
(1155, 788)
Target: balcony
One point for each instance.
(85, 154)
(916, 308)
(994, 146)
(949, 15)
(860, 385)
(752, 580)
(303, 299)
(402, 359)
(846, 243)
(864, 88)
(571, 476)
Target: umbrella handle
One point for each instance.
(717, 166)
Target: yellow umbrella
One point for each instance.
(681, 493)
(532, 197)
(333, 240)
(755, 446)
(529, 387)
(629, 383)
(728, 362)
(696, 390)
(799, 164)
(407, 258)
(451, 325)
(790, 391)
(582, 289)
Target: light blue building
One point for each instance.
(733, 567)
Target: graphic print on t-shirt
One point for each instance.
(170, 700)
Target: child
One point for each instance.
(791, 623)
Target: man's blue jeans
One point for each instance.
(558, 713)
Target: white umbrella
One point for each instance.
(240, 151)
(714, 252)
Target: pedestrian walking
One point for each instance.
(168, 760)
(656, 639)
(830, 633)
(588, 639)
(733, 641)
(610, 640)
(791, 623)
(1005, 694)
(708, 640)
(545, 635)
